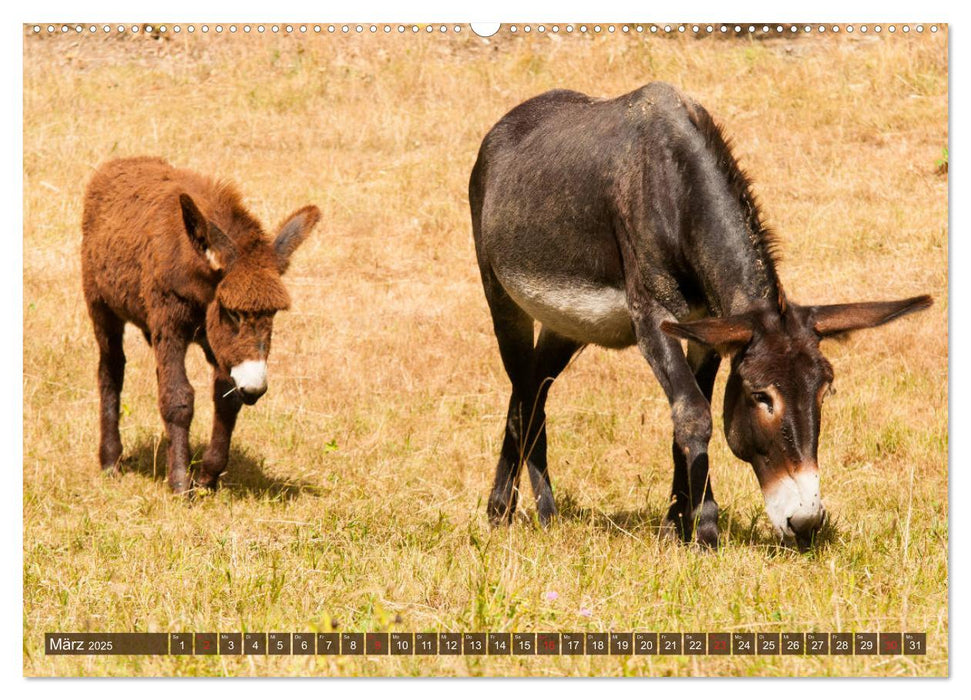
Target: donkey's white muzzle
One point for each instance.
(794, 505)
(250, 378)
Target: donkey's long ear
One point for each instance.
(842, 318)
(215, 246)
(292, 233)
(722, 334)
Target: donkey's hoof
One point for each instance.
(111, 471)
(707, 535)
(546, 511)
(180, 486)
(546, 520)
(500, 513)
(499, 518)
(205, 481)
(670, 531)
(677, 526)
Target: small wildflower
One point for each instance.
(586, 612)
(552, 595)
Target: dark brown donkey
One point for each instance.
(177, 255)
(628, 221)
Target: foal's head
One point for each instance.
(239, 320)
(775, 392)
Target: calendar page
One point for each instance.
(524, 349)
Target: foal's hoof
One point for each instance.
(203, 480)
(180, 486)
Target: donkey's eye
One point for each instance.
(233, 317)
(763, 399)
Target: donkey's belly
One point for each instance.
(582, 311)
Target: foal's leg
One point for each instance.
(109, 331)
(552, 354)
(692, 487)
(175, 401)
(690, 413)
(226, 404)
(514, 332)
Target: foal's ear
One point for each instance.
(292, 233)
(842, 318)
(722, 334)
(215, 246)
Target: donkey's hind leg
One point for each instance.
(551, 356)
(514, 332)
(109, 331)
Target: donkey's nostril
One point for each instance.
(251, 395)
(250, 377)
(804, 521)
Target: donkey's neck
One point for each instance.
(735, 276)
(729, 250)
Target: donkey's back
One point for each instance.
(133, 234)
(136, 200)
(558, 182)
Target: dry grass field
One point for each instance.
(355, 496)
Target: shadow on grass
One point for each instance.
(243, 477)
(643, 521)
(732, 529)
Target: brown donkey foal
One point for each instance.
(177, 255)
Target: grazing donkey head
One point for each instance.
(775, 391)
(239, 319)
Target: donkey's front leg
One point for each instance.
(227, 403)
(176, 403)
(685, 500)
(693, 507)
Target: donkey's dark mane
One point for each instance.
(762, 237)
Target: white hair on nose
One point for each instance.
(794, 501)
(250, 376)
